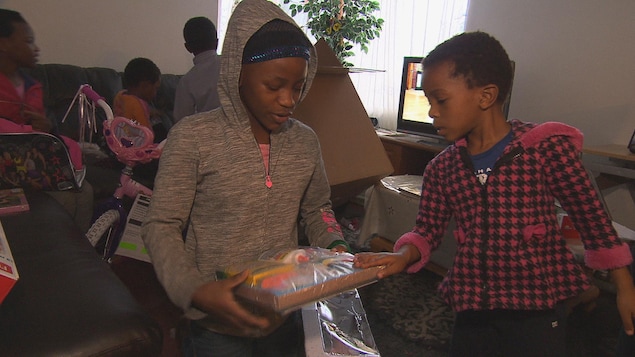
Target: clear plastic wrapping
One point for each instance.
(284, 281)
(338, 326)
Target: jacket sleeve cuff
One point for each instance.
(612, 258)
(422, 246)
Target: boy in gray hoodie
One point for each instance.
(237, 178)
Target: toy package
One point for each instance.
(285, 281)
(8, 271)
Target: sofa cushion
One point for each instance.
(60, 84)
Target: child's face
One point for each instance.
(148, 90)
(20, 46)
(453, 106)
(270, 90)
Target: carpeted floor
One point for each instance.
(409, 319)
(407, 316)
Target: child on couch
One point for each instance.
(22, 106)
(141, 79)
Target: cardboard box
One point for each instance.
(8, 271)
(13, 200)
(353, 155)
(288, 280)
(131, 244)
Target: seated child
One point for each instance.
(22, 106)
(21, 103)
(142, 79)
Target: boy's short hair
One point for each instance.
(7, 19)
(478, 57)
(138, 70)
(200, 34)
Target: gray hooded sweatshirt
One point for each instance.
(211, 180)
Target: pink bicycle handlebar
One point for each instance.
(96, 98)
(90, 93)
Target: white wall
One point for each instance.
(574, 61)
(574, 58)
(108, 33)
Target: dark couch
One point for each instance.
(67, 301)
(60, 84)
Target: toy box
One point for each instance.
(13, 200)
(354, 157)
(8, 271)
(285, 281)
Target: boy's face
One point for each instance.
(20, 46)
(147, 90)
(270, 91)
(453, 106)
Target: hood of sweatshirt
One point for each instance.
(248, 17)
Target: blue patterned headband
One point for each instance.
(276, 39)
(279, 52)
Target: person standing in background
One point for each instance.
(196, 91)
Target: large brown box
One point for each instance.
(353, 155)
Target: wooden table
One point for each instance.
(609, 166)
(612, 151)
(408, 154)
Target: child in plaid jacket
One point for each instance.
(499, 180)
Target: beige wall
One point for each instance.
(108, 33)
(574, 58)
(574, 61)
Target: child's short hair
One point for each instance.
(7, 19)
(200, 34)
(478, 57)
(138, 70)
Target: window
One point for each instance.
(411, 28)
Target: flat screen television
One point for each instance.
(413, 105)
(412, 117)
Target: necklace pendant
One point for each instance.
(268, 182)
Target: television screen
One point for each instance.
(413, 105)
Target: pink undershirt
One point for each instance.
(264, 149)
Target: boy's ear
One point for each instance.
(489, 93)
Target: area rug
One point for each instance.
(412, 307)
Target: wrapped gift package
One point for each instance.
(285, 281)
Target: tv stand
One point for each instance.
(431, 140)
(409, 154)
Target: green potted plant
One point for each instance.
(341, 23)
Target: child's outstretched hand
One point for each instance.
(625, 298)
(393, 262)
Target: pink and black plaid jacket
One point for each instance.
(510, 252)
